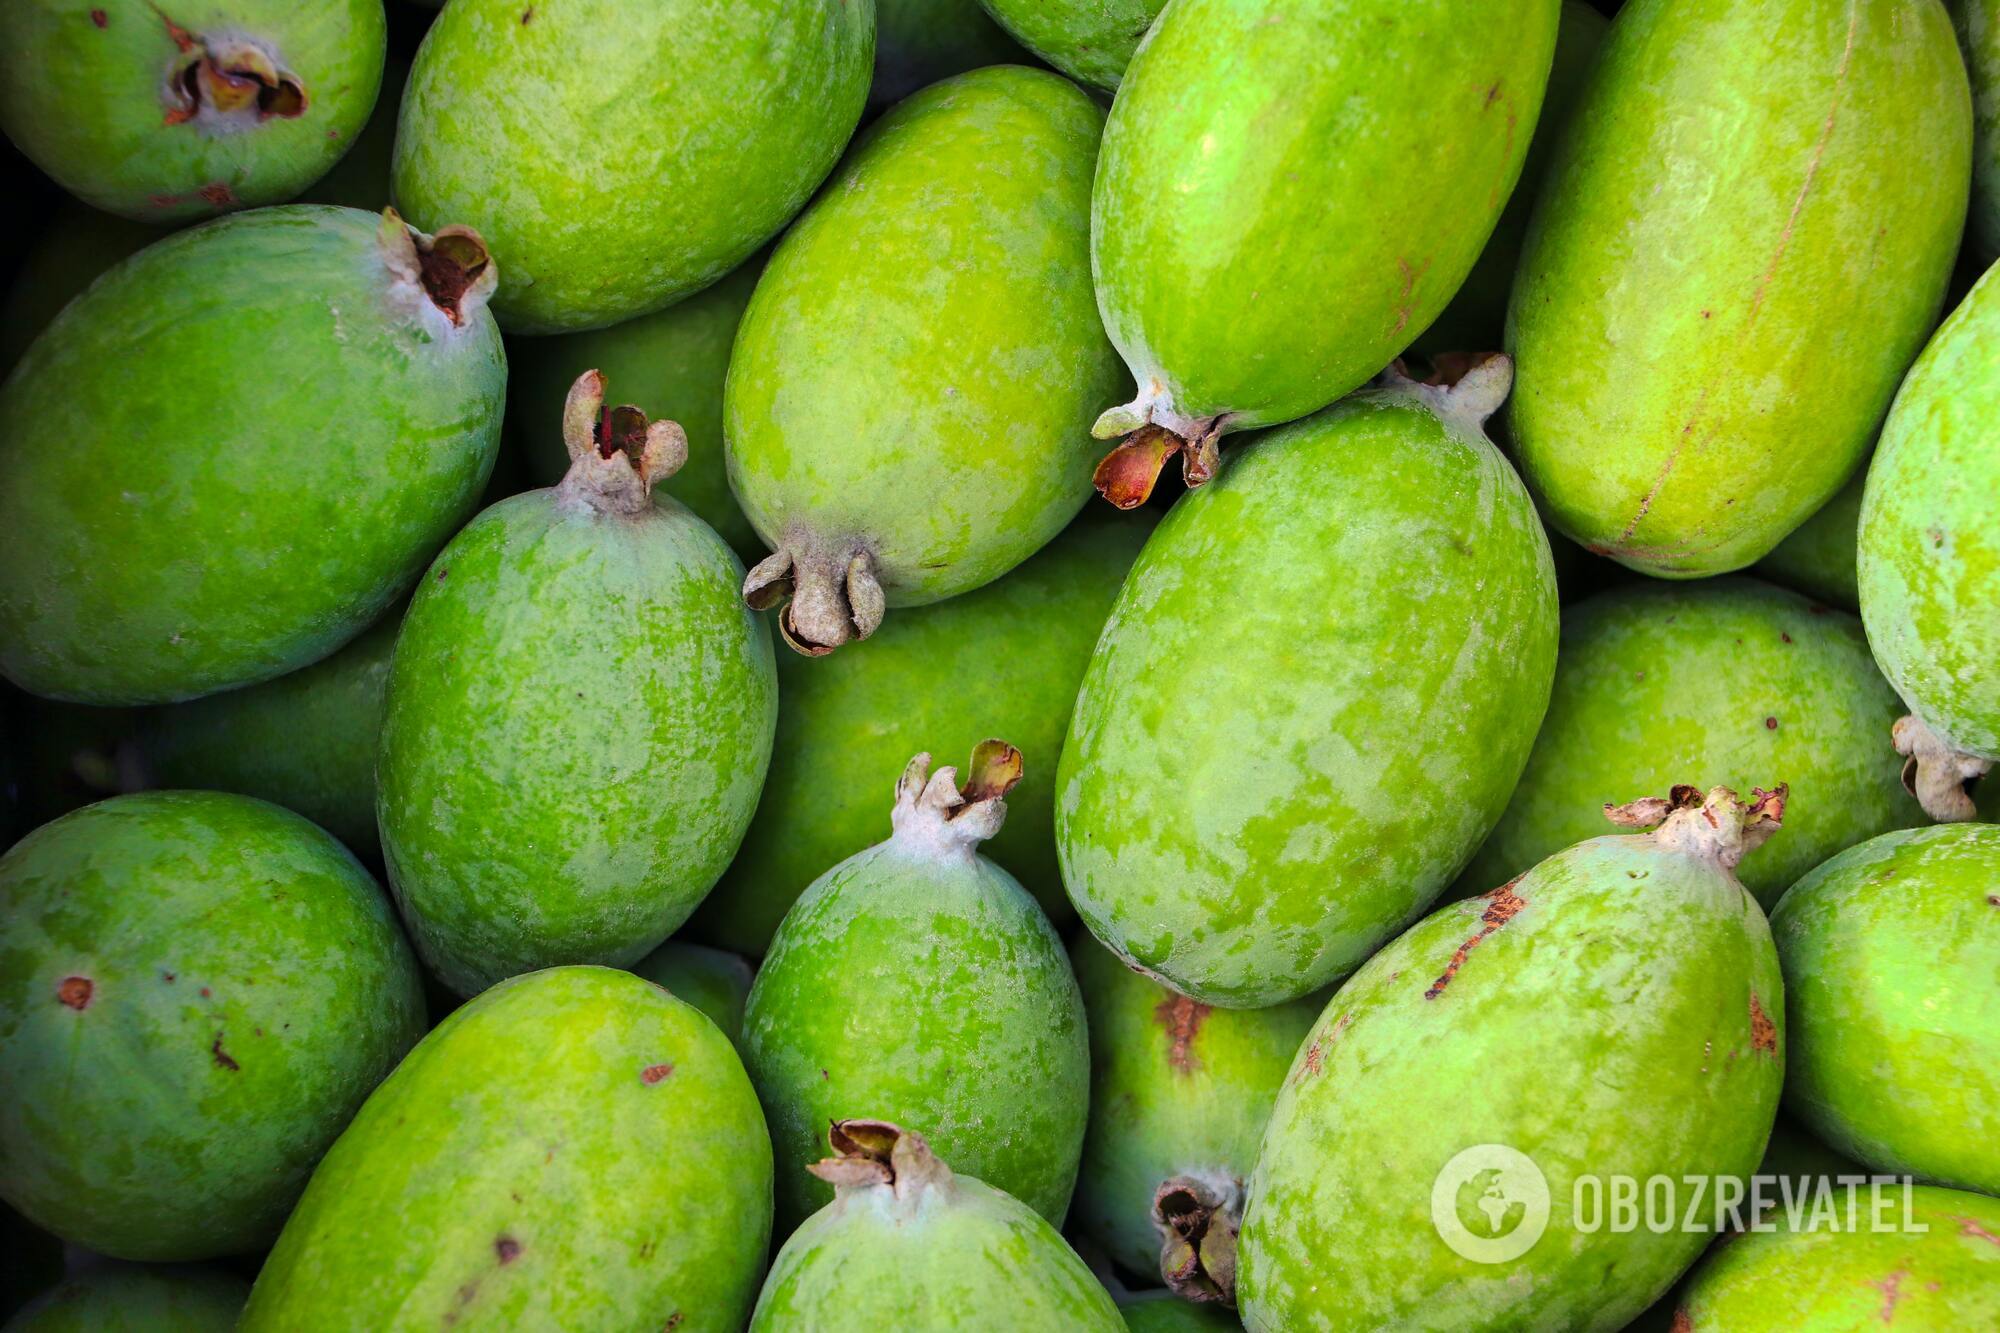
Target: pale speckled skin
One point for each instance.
(579, 717)
(931, 992)
(715, 982)
(1737, 251)
(1313, 695)
(963, 1255)
(1176, 1089)
(918, 42)
(1930, 531)
(88, 103)
(1090, 40)
(121, 1299)
(1892, 951)
(1945, 1280)
(671, 365)
(305, 741)
(1606, 1028)
(1658, 684)
(1003, 660)
(1162, 1312)
(573, 1149)
(302, 441)
(620, 157)
(248, 986)
(1978, 24)
(1290, 192)
(1818, 557)
(922, 360)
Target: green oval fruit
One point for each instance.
(1269, 229)
(197, 990)
(1929, 553)
(1837, 1279)
(76, 246)
(1735, 254)
(919, 42)
(1615, 1012)
(319, 410)
(908, 1243)
(225, 104)
(1284, 747)
(714, 982)
(1005, 658)
(119, 1298)
(1892, 950)
(669, 364)
(911, 428)
(1818, 557)
(305, 741)
(917, 980)
(579, 717)
(1734, 679)
(1164, 1312)
(1179, 1094)
(572, 1149)
(1978, 23)
(1090, 40)
(621, 157)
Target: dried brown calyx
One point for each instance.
(228, 82)
(615, 454)
(451, 273)
(1198, 1217)
(1716, 826)
(1939, 775)
(1464, 388)
(876, 1155)
(1154, 430)
(935, 816)
(829, 592)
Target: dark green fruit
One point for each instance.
(919, 42)
(714, 982)
(1164, 1312)
(1090, 40)
(1818, 558)
(129, 1298)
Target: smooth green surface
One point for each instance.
(1625, 1018)
(1892, 950)
(306, 433)
(305, 741)
(243, 985)
(927, 990)
(573, 1149)
(1732, 682)
(1930, 531)
(1310, 703)
(1004, 660)
(1978, 24)
(1818, 557)
(919, 368)
(918, 42)
(715, 982)
(579, 718)
(1291, 190)
(1090, 40)
(1826, 1279)
(1176, 1089)
(1737, 251)
(121, 1299)
(669, 364)
(88, 101)
(1161, 1312)
(620, 157)
(76, 246)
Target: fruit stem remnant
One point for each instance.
(452, 272)
(229, 83)
(934, 816)
(874, 1154)
(1463, 388)
(1716, 827)
(1939, 776)
(831, 595)
(1154, 433)
(1198, 1219)
(615, 455)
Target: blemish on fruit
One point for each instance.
(1891, 1288)
(1763, 1032)
(100, 18)
(1182, 1018)
(222, 1057)
(1682, 1323)
(75, 992)
(1770, 724)
(507, 1248)
(1968, 1227)
(654, 1073)
(1502, 905)
(218, 194)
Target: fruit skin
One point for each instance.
(305, 741)
(1930, 541)
(94, 97)
(1281, 275)
(1162, 1312)
(1894, 1059)
(242, 986)
(1786, 184)
(118, 1298)
(1006, 659)
(1843, 1281)
(918, 42)
(702, 127)
(1179, 1092)
(579, 717)
(361, 179)
(305, 437)
(1656, 679)
(1616, 1011)
(1092, 41)
(670, 364)
(909, 1243)
(575, 1148)
(918, 981)
(1215, 821)
(1818, 557)
(714, 982)
(963, 358)
(1978, 25)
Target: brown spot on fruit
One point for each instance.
(1683, 1323)
(167, 976)
(673, 1322)
(1786, 637)
(222, 1057)
(1770, 724)
(1763, 1032)
(1891, 1288)
(204, 992)
(1182, 1018)
(507, 1248)
(75, 992)
(100, 18)
(219, 194)
(1969, 1228)
(440, 578)
(1315, 1060)
(527, 14)
(164, 200)
(654, 1073)
(1501, 906)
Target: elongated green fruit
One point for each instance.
(919, 42)
(1269, 229)
(1737, 251)
(1978, 23)
(714, 982)
(1818, 557)
(1090, 40)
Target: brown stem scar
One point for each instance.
(1502, 904)
(1182, 1018)
(654, 1073)
(1763, 1032)
(75, 992)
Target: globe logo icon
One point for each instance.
(1490, 1203)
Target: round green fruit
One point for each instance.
(574, 1148)
(122, 1298)
(918, 42)
(620, 157)
(319, 409)
(1092, 41)
(197, 991)
(579, 717)
(911, 427)
(714, 982)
